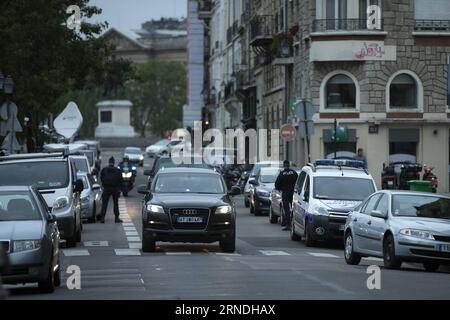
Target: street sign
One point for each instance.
(302, 128)
(288, 132)
(303, 114)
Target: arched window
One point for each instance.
(340, 92)
(403, 92)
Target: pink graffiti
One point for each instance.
(371, 50)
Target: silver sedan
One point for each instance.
(400, 226)
(91, 197)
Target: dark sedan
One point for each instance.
(188, 205)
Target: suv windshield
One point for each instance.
(43, 174)
(421, 206)
(189, 183)
(18, 206)
(342, 188)
(81, 165)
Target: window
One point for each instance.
(106, 116)
(403, 92)
(340, 92)
(300, 181)
(448, 81)
(383, 205)
(371, 204)
(432, 10)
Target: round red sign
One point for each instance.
(288, 132)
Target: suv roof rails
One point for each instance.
(27, 156)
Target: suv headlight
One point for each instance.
(417, 234)
(263, 193)
(25, 245)
(224, 210)
(320, 211)
(61, 203)
(152, 208)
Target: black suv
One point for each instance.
(188, 205)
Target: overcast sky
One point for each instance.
(127, 15)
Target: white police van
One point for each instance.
(325, 193)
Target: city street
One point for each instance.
(266, 265)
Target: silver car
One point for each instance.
(135, 155)
(91, 197)
(30, 236)
(400, 226)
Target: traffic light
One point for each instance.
(341, 133)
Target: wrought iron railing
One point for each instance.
(432, 25)
(262, 27)
(323, 25)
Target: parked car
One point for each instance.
(91, 197)
(158, 149)
(188, 205)
(81, 163)
(94, 146)
(30, 236)
(400, 226)
(324, 195)
(253, 173)
(263, 184)
(276, 210)
(135, 155)
(54, 175)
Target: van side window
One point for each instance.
(306, 187)
(300, 181)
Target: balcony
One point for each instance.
(244, 79)
(348, 25)
(205, 9)
(432, 26)
(261, 30)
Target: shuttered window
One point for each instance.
(432, 9)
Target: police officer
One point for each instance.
(286, 183)
(111, 179)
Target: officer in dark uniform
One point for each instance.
(111, 179)
(286, 183)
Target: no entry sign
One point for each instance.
(288, 132)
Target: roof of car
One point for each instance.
(37, 157)
(187, 170)
(415, 193)
(332, 171)
(15, 188)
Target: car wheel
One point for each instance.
(246, 202)
(228, 245)
(148, 243)
(252, 208)
(351, 257)
(309, 241)
(390, 260)
(431, 266)
(273, 219)
(294, 236)
(57, 276)
(283, 223)
(48, 284)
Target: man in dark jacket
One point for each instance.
(111, 179)
(286, 183)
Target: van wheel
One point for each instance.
(351, 257)
(309, 241)
(273, 219)
(294, 236)
(148, 243)
(246, 202)
(48, 284)
(431, 267)
(390, 260)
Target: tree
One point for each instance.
(46, 59)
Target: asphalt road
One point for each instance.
(267, 265)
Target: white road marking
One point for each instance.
(178, 253)
(374, 259)
(96, 244)
(126, 219)
(135, 245)
(228, 254)
(128, 224)
(274, 253)
(322, 255)
(76, 253)
(127, 252)
(133, 239)
(129, 228)
(131, 233)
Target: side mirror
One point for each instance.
(149, 173)
(78, 186)
(378, 214)
(96, 187)
(253, 182)
(51, 218)
(142, 189)
(235, 191)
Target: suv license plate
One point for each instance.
(444, 248)
(190, 220)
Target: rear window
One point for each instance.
(18, 206)
(43, 174)
(342, 188)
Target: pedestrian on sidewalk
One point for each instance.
(286, 183)
(111, 178)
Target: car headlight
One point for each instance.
(224, 210)
(263, 193)
(320, 211)
(25, 245)
(417, 234)
(141, 158)
(61, 203)
(126, 174)
(155, 209)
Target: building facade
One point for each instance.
(386, 81)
